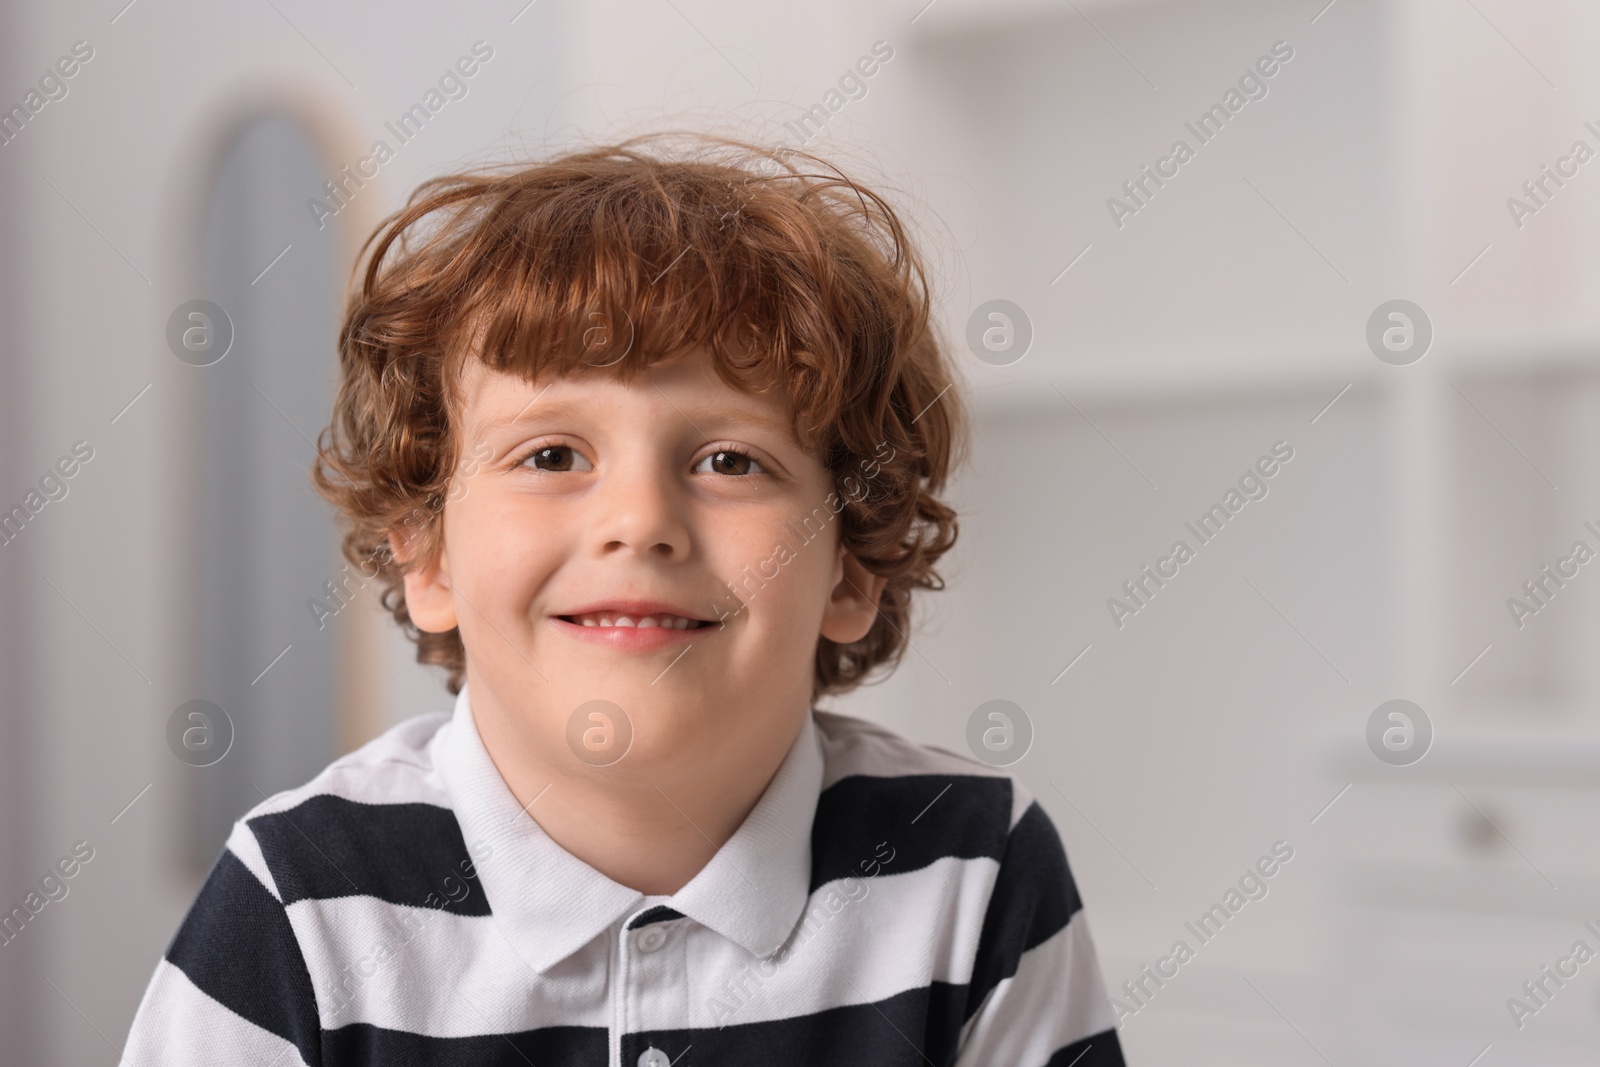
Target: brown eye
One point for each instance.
(554, 458)
(730, 461)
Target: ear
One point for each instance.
(853, 604)
(430, 600)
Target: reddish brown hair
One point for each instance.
(609, 259)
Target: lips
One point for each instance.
(641, 622)
(633, 625)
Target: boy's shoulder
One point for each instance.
(397, 766)
(376, 821)
(854, 746)
(881, 787)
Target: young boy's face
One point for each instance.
(578, 495)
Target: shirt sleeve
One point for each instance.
(233, 987)
(1037, 998)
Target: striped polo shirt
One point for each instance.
(884, 903)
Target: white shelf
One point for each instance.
(1201, 374)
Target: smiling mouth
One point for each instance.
(641, 622)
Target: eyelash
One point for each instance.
(541, 446)
(718, 449)
(729, 446)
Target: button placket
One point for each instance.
(640, 975)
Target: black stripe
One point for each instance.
(866, 826)
(1096, 1050)
(237, 947)
(658, 914)
(363, 1044)
(909, 1029)
(409, 854)
(1033, 898)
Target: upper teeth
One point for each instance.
(606, 618)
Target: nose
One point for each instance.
(640, 510)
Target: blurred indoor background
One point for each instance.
(1170, 334)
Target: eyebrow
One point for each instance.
(554, 409)
(734, 416)
(559, 409)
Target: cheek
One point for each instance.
(782, 567)
(504, 550)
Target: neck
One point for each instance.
(650, 823)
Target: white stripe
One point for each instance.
(433, 972)
(389, 965)
(177, 1025)
(394, 768)
(243, 844)
(899, 932)
(1057, 996)
(855, 746)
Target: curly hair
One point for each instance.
(609, 259)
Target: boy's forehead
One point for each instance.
(494, 399)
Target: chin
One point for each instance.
(665, 730)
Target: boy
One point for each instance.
(645, 447)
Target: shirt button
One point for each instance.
(652, 938)
(654, 1057)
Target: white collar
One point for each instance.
(551, 903)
